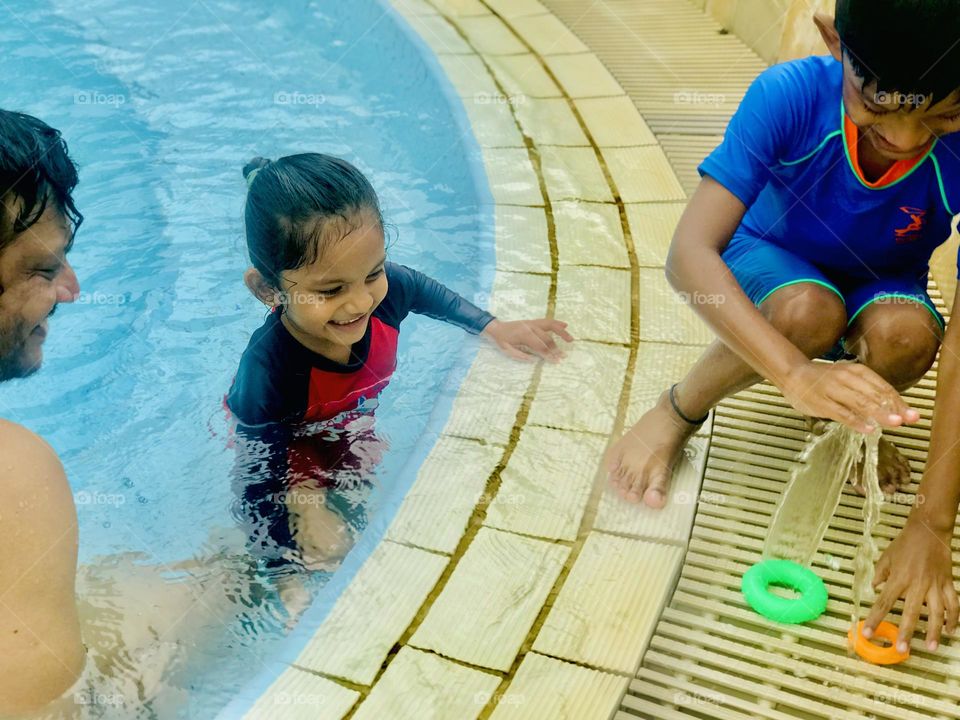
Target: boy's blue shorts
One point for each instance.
(761, 268)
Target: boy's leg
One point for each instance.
(641, 463)
(899, 342)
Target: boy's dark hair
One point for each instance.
(905, 46)
(35, 170)
(292, 200)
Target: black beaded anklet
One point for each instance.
(678, 411)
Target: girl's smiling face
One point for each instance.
(327, 304)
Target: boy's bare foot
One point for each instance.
(893, 469)
(640, 464)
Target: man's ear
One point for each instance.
(261, 289)
(828, 31)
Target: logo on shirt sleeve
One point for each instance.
(914, 230)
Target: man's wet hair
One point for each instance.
(910, 47)
(36, 171)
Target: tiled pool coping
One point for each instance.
(511, 579)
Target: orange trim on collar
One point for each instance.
(896, 171)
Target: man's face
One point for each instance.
(895, 133)
(34, 277)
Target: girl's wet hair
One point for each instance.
(294, 203)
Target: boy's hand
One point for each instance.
(849, 393)
(917, 566)
(524, 339)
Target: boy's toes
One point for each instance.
(656, 493)
(636, 490)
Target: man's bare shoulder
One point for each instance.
(38, 529)
(33, 485)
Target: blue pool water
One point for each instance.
(161, 105)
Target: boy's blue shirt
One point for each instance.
(784, 156)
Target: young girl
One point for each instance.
(329, 344)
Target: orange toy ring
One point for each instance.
(874, 653)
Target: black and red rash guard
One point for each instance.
(280, 380)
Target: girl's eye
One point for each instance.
(374, 275)
(329, 293)
(952, 118)
(48, 273)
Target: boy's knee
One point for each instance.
(898, 346)
(810, 316)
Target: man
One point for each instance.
(41, 652)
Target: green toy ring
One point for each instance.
(785, 573)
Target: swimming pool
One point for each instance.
(161, 107)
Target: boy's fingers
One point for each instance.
(951, 606)
(934, 617)
(879, 398)
(908, 621)
(844, 415)
(879, 610)
(881, 572)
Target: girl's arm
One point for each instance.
(850, 393)
(423, 295)
(520, 339)
(918, 564)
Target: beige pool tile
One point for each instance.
(517, 8)
(549, 121)
(521, 239)
(439, 34)
(492, 121)
(589, 234)
(412, 8)
(419, 685)
(671, 523)
(610, 603)
(643, 174)
(658, 366)
(519, 296)
(372, 613)
(461, 8)
(523, 76)
(449, 485)
(545, 688)
(469, 77)
(490, 36)
(615, 122)
(595, 302)
(582, 75)
(544, 488)
(489, 399)
(665, 316)
(299, 695)
(652, 226)
(591, 373)
(511, 176)
(492, 599)
(573, 173)
(547, 35)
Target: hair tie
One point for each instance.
(251, 176)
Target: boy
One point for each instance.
(815, 221)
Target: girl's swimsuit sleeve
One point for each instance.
(270, 384)
(412, 291)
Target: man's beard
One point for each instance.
(14, 362)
